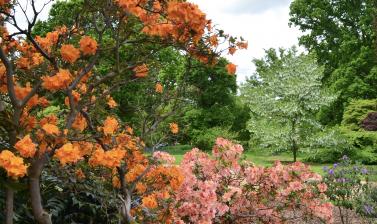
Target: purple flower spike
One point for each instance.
(364, 171)
(368, 209)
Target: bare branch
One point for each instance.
(31, 94)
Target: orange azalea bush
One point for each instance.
(60, 69)
(224, 189)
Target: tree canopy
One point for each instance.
(284, 96)
(342, 34)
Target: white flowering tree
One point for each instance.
(284, 96)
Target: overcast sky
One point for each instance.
(263, 23)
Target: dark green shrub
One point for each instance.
(350, 138)
(205, 139)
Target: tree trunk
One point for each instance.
(9, 205)
(293, 140)
(294, 150)
(9, 192)
(294, 155)
(127, 199)
(35, 170)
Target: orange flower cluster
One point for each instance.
(47, 135)
(231, 68)
(110, 159)
(79, 123)
(14, 165)
(68, 153)
(69, 53)
(159, 88)
(29, 61)
(165, 176)
(86, 148)
(135, 156)
(140, 188)
(57, 82)
(3, 2)
(51, 129)
(51, 39)
(29, 56)
(22, 92)
(150, 201)
(88, 46)
(242, 45)
(174, 128)
(110, 126)
(141, 71)
(111, 102)
(189, 17)
(3, 79)
(116, 182)
(232, 50)
(213, 41)
(134, 173)
(130, 5)
(179, 20)
(26, 147)
(183, 21)
(156, 188)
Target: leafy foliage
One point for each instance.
(364, 141)
(342, 35)
(205, 138)
(283, 97)
(356, 112)
(213, 108)
(330, 145)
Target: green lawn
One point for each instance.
(264, 158)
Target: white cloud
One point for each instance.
(252, 6)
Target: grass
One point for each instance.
(265, 158)
(178, 151)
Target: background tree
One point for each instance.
(210, 112)
(342, 35)
(283, 97)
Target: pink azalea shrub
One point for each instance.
(164, 157)
(222, 188)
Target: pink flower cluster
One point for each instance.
(224, 189)
(164, 157)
